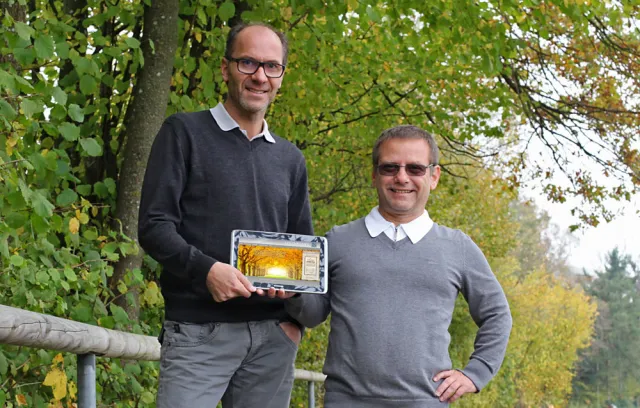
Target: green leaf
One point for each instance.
(67, 197)
(16, 260)
(373, 14)
(44, 46)
(109, 248)
(65, 285)
(41, 205)
(76, 113)
(82, 313)
(84, 189)
(45, 261)
(40, 225)
(101, 189)
(59, 96)
(15, 220)
(146, 397)
(88, 84)
(83, 66)
(91, 235)
(111, 185)
(30, 107)
(55, 275)
(4, 365)
(69, 131)
(70, 274)
(16, 199)
(226, 11)
(42, 277)
(91, 147)
(132, 42)
(24, 85)
(7, 111)
(23, 30)
(119, 314)
(107, 322)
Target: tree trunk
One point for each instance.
(144, 118)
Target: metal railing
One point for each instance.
(24, 328)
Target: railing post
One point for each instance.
(312, 394)
(86, 381)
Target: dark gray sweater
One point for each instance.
(391, 305)
(201, 183)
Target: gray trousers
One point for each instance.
(244, 365)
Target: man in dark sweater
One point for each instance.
(209, 173)
(393, 281)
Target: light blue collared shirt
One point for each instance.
(415, 230)
(226, 123)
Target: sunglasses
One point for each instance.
(412, 169)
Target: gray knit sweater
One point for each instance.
(391, 304)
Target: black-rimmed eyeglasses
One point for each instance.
(412, 169)
(250, 66)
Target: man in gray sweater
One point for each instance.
(393, 281)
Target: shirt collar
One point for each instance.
(416, 230)
(227, 123)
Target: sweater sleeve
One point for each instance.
(160, 214)
(299, 206)
(490, 311)
(308, 309)
(312, 309)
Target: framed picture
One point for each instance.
(293, 262)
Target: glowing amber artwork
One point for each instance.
(270, 262)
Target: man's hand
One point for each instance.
(454, 386)
(226, 282)
(272, 293)
(292, 331)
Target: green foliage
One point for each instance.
(615, 345)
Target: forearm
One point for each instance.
(308, 309)
(490, 310)
(490, 347)
(162, 242)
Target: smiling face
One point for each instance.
(402, 198)
(250, 95)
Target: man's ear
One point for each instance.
(224, 68)
(434, 178)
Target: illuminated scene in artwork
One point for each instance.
(270, 262)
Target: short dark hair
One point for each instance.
(233, 34)
(406, 132)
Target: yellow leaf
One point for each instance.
(57, 380)
(84, 218)
(122, 287)
(198, 36)
(94, 211)
(73, 390)
(58, 359)
(74, 225)
(286, 12)
(21, 400)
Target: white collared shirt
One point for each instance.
(415, 230)
(226, 123)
